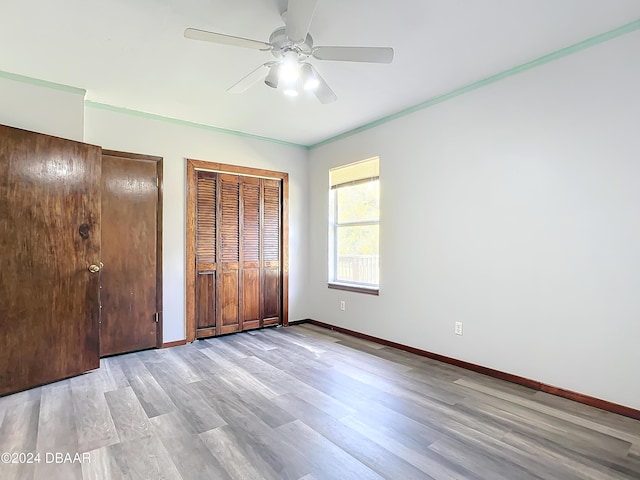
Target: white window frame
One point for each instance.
(370, 288)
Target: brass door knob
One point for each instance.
(94, 268)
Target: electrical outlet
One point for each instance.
(458, 328)
(343, 305)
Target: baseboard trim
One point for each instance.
(299, 322)
(177, 343)
(527, 382)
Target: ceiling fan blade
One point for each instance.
(254, 77)
(205, 36)
(323, 92)
(298, 19)
(354, 54)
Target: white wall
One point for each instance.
(175, 143)
(42, 109)
(515, 209)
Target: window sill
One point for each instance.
(355, 288)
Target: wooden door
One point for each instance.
(250, 253)
(205, 232)
(237, 251)
(229, 262)
(49, 236)
(271, 228)
(131, 277)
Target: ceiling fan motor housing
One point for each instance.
(282, 44)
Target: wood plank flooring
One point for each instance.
(305, 403)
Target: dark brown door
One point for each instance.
(130, 276)
(49, 236)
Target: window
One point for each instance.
(354, 218)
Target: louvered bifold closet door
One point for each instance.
(229, 254)
(238, 250)
(250, 253)
(271, 253)
(206, 202)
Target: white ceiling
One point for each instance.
(132, 53)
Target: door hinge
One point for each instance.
(156, 317)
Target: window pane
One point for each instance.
(357, 254)
(358, 203)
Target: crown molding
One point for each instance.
(563, 52)
(186, 123)
(42, 83)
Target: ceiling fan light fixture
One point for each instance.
(291, 88)
(289, 67)
(273, 77)
(311, 84)
(310, 80)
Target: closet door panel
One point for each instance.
(250, 252)
(271, 251)
(229, 253)
(206, 253)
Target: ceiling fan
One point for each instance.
(292, 46)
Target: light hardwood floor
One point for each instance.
(305, 403)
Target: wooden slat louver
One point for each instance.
(206, 218)
(271, 221)
(251, 221)
(230, 218)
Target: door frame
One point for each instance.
(192, 167)
(158, 162)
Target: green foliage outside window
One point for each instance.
(358, 203)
